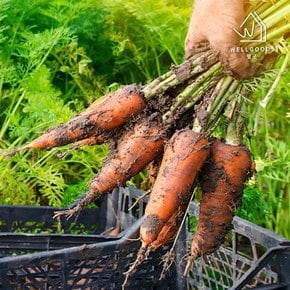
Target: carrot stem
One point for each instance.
(176, 76)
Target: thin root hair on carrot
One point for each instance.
(142, 255)
(168, 259)
(87, 199)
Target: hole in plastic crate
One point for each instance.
(105, 278)
(32, 227)
(80, 228)
(134, 209)
(126, 204)
(264, 277)
(138, 209)
(192, 224)
(244, 246)
(122, 202)
(260, 250)
(3, 225)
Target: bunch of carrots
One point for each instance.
(172, 119)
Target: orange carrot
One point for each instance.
(117, 108)
(111, 111)
(182, 160)
(170, 229)
(72, 131)
(93, 140)
(133, 153)
(222, 183)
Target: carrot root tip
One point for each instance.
(89, 197)
(193, 255)
(168, 260)
(142, 255)
(150, 229)
(14, 151)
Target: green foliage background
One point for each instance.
(57, 56)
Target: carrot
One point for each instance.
(111, 111)
(170, 229)
(93, 140)
(222, 184)
(117, 108)
(133, 153)
(117, 96)
(182, 160)
(63, 134)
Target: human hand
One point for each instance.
(213, 21)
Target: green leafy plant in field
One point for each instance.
(269, 143)
(34, 57)
(149, 36)
(56, 57)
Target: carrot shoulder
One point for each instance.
(118, 107)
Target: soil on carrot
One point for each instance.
(160, 103)
(132, 89)
(84, 126)
(153, 223)
(183, 71)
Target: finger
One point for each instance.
(196, 47)
(235, 63)
(195, 42)
(238, 65)
(195, 38)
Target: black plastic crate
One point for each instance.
(255, 257)
(28, 229)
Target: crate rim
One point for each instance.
(128, 234)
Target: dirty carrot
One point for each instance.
(170, 229)
(222, 183)
(135, 150)
(111, 111)
(117, 108)
(93, 140)
(183, 158)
